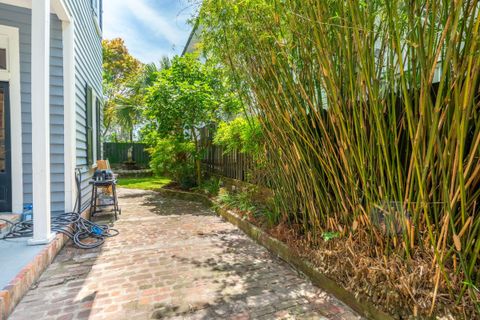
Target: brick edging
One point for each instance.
(279, 248)
(13, 292)
(363, 307)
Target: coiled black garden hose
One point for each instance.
(84, 233)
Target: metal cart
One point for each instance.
(103, 184)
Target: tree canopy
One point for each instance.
(119, 67)
(122, 75)
(185, 96)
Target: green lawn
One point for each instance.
(147, 183)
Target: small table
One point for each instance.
(93, 201)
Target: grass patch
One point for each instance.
(146, 183)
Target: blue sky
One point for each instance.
(151, 28)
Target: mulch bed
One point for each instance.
(400, 288)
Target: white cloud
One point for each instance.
(154, 21)
(148, 33)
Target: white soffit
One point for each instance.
(57, 7)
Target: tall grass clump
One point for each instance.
(371, 114)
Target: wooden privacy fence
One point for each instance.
(232, 164)
(117, 153)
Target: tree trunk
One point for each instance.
(105, 131)
(198, 169)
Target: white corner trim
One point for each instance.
(59, 7)
(69, 113)
(16, 126)
(13, 78)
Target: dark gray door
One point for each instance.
(5, 148)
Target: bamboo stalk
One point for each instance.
(367, 105)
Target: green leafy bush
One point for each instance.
(240, 200)
(244, 135)
(210, 186)
(174, 158)
(244, 201)
(186, 95)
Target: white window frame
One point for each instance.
(98, 128)
(12, 76)
(4, 44)
(94, 129)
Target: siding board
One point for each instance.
(88, 70)
(21, 19)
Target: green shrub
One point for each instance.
(226, 198)
(244, 201)
(244, 135)
(210, 186)
(174, 158)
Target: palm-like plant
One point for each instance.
(125, 109)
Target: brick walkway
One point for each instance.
(174, 260)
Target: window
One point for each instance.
(98, 109)
(93, 127)
(3, 59)
(4, 53)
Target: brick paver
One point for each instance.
(174, 260)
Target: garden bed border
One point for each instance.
(361, 306)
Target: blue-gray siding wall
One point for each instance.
(88, 70)
(21, 18)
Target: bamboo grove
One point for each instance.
(371, 111)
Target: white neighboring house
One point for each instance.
(50, 104)
(193, 39)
